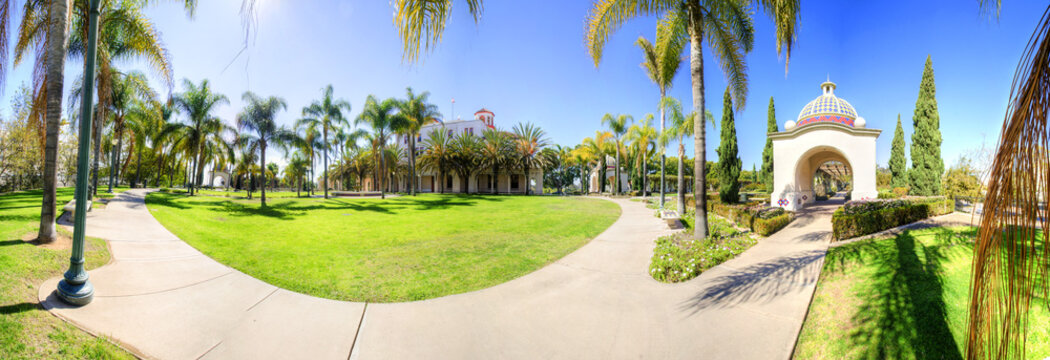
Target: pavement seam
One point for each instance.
(357, 334)
(160, 259)
(210, 349)
(263, 299)
(166, 290)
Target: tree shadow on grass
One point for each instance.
(902, 312)
(13, 242)
(758, 283)
(18, 308)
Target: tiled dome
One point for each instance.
(827, 107)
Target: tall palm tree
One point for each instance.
(382, 117)
(1011, 254)
(327, 114)
(122, 92)
(642, 137)
(437, 153)
(583, 158)
(417, 112)
(494, 151)
(197, 102)
(661, 63)
(727, 27)
(144, 119)
(465, 158)
(528, 141)
(599, 147)
(259, 120)
(681, 126)
(618, 126)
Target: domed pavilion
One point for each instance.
(828, 136)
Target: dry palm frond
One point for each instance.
(1011, 257)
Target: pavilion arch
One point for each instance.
(220, 175)
(799, 152)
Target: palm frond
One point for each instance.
(609, 15)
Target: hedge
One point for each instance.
(859, 218)
(758, 217)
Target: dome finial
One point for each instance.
(828, 87)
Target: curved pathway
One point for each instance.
(163, 299)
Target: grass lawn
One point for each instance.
(398, 249)
(901, 298)
(26, 330)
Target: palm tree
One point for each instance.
(436, 154)
(1011, 254)
(145, 120)
(197, 102)
(681, 126)
(495, 147)
(528, 141)
(661, 63)
(727, 27)
(327, 114)
(417, 112)
(259, 120)
(618, 127)
(124, 90)
(582, 157)
(246, 166)
(641, 137)
(465, 158)
(381, 116)
(598, 148)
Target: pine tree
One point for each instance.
(898, 161)
(926, 162)
(767, 152)
(728, 162)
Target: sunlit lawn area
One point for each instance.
(26, 330)
(901, 298)
(398, 249)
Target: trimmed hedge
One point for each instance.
(758, 217)
(859, 218)
(766, 227)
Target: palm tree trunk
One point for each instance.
(325, 162)
(138, 167)
(262, 171)
(663, 157)
(494, 181)
(696, 69)
(526, 171)
(382, 166)
(56, 55)
(616, 172)
(645, 176)
(681, 178)
(97, 139)
(412, 161)
(120, 147)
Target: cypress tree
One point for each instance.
(898, 162)
(728, 162)
(926, 162)
(767, 152)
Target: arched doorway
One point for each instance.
(829, 141)
(219, 179)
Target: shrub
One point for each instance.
(900, 191)
(858, 218)
(768, 226)
(887, 194)
(679, 258)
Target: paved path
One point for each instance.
(163, 299)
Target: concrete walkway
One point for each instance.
(163, 299)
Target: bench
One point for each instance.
(70, 209)
(674, 221)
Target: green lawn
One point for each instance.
(901, 298)
(26, 330)
(398, 249)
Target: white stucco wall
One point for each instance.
(797, 154)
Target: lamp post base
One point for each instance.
(76, 294)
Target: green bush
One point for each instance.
(766, 227)
(868, 217)
(679, 257)
(887, 194)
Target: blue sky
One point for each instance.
(526, 61)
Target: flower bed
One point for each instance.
(679, 257)
(858, 218)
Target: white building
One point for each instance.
(827, 136)
(509, 181)
(595, 177)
